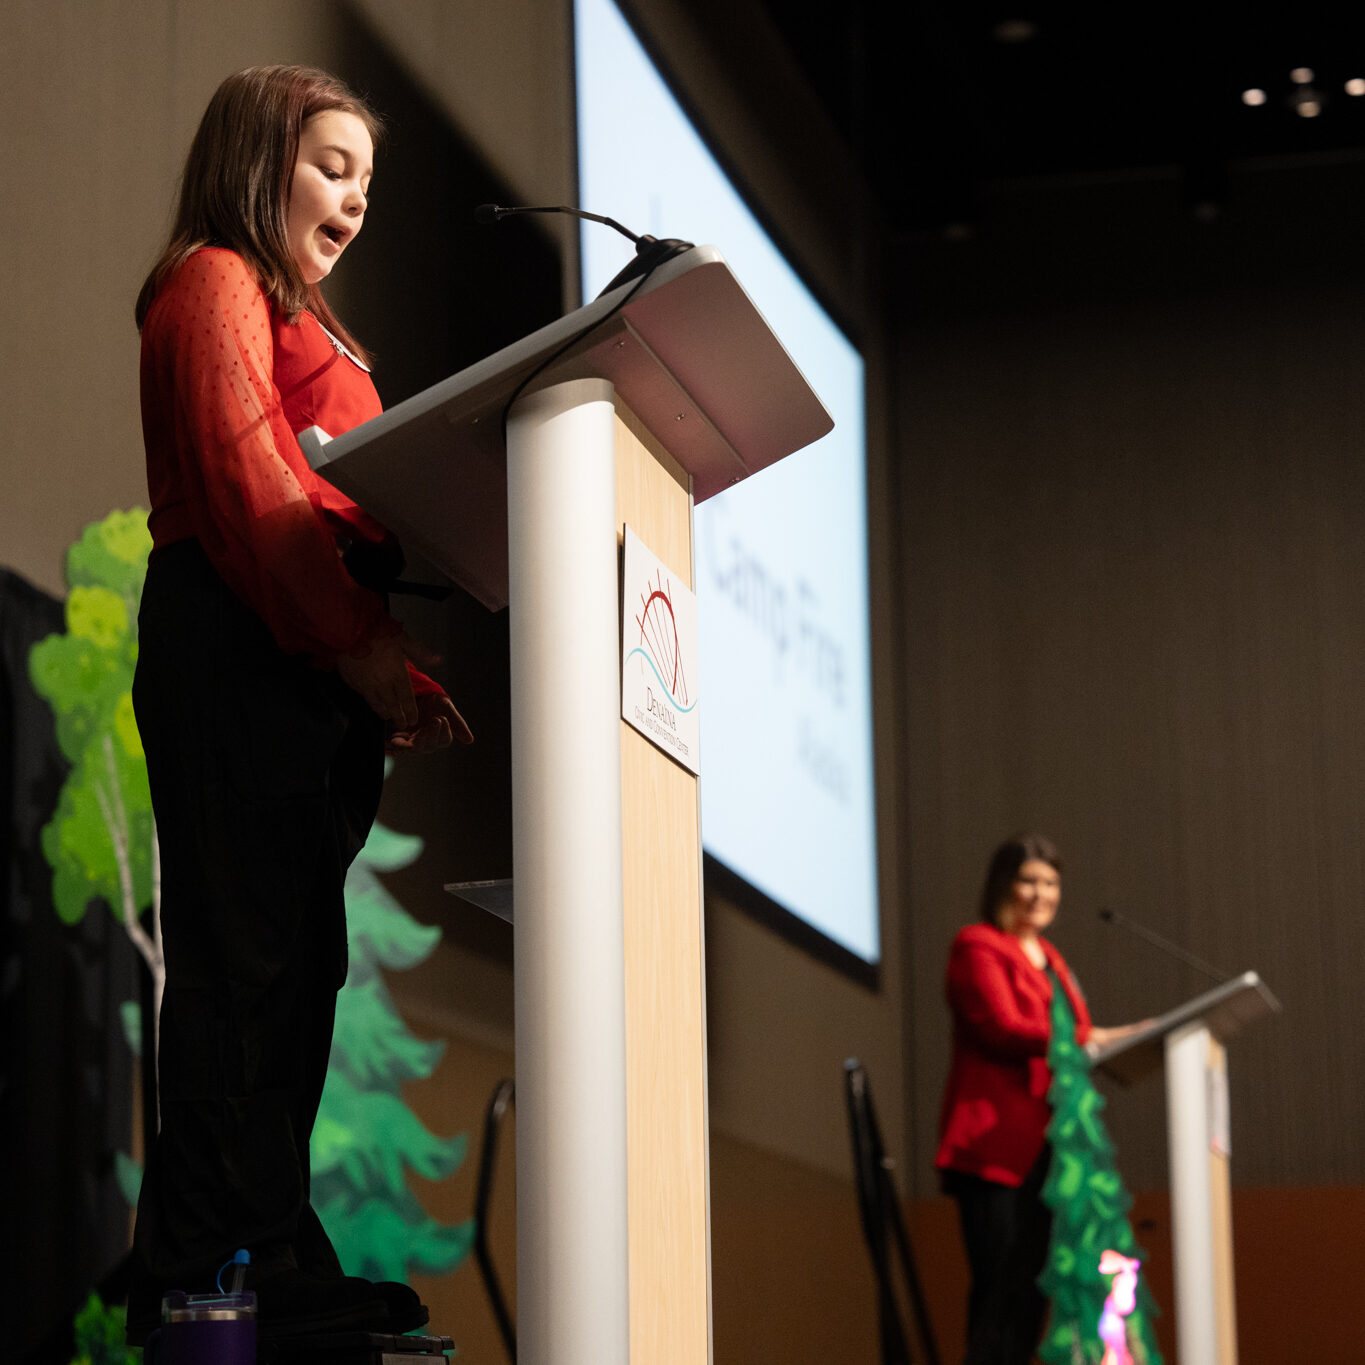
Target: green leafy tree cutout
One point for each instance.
(101, 841)
(366, 1136)
(98, 1332)
(1089, 1213)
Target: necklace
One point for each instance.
(342, 348)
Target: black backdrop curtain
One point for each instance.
(66, 1072)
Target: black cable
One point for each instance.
(503, 1096)
(572, 341)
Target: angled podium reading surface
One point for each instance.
(1190, 1042)
(516, 477)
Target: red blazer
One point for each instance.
(995, 1110)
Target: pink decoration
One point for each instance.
(1121, 1301)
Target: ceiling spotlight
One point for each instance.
(1355, 86)
(1014, 31)
(1255, 97)
(1305, 100)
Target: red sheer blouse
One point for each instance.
(227, 383)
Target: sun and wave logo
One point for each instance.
(659, 689)
(658, 645)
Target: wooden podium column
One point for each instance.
(1201, 1198)
(667, 1156)
(612, 1230)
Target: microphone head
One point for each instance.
(488, 213)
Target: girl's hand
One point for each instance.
(438, 725)
(381, 678)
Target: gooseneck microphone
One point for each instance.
(491, 213)
(1171, 949)
(649, 251)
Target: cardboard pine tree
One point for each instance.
(1089, 1218)
(366, 1138)
(97, 1333)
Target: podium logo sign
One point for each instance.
(659, 655)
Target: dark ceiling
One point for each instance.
(936, 97)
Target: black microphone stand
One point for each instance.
(649, 251)
(1172, 949)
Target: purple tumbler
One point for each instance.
(206, 1329)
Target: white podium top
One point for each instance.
(1225, 1011)
(689, 353)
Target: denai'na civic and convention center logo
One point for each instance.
(659, 654)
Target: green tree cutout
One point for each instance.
(1089, 1213)
(365, 1135)
(98, 1333)
(101, 841)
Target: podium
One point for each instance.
(1190, 1041)
(515, 477)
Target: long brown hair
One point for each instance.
(1004, 868)
(235, 189)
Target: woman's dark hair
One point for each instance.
(235, 189)
(1004, 868)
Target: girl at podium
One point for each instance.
(271, 679)
(1003, 977)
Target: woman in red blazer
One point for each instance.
(993, 1151)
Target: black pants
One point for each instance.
(1006, 1232)
(265, 776)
